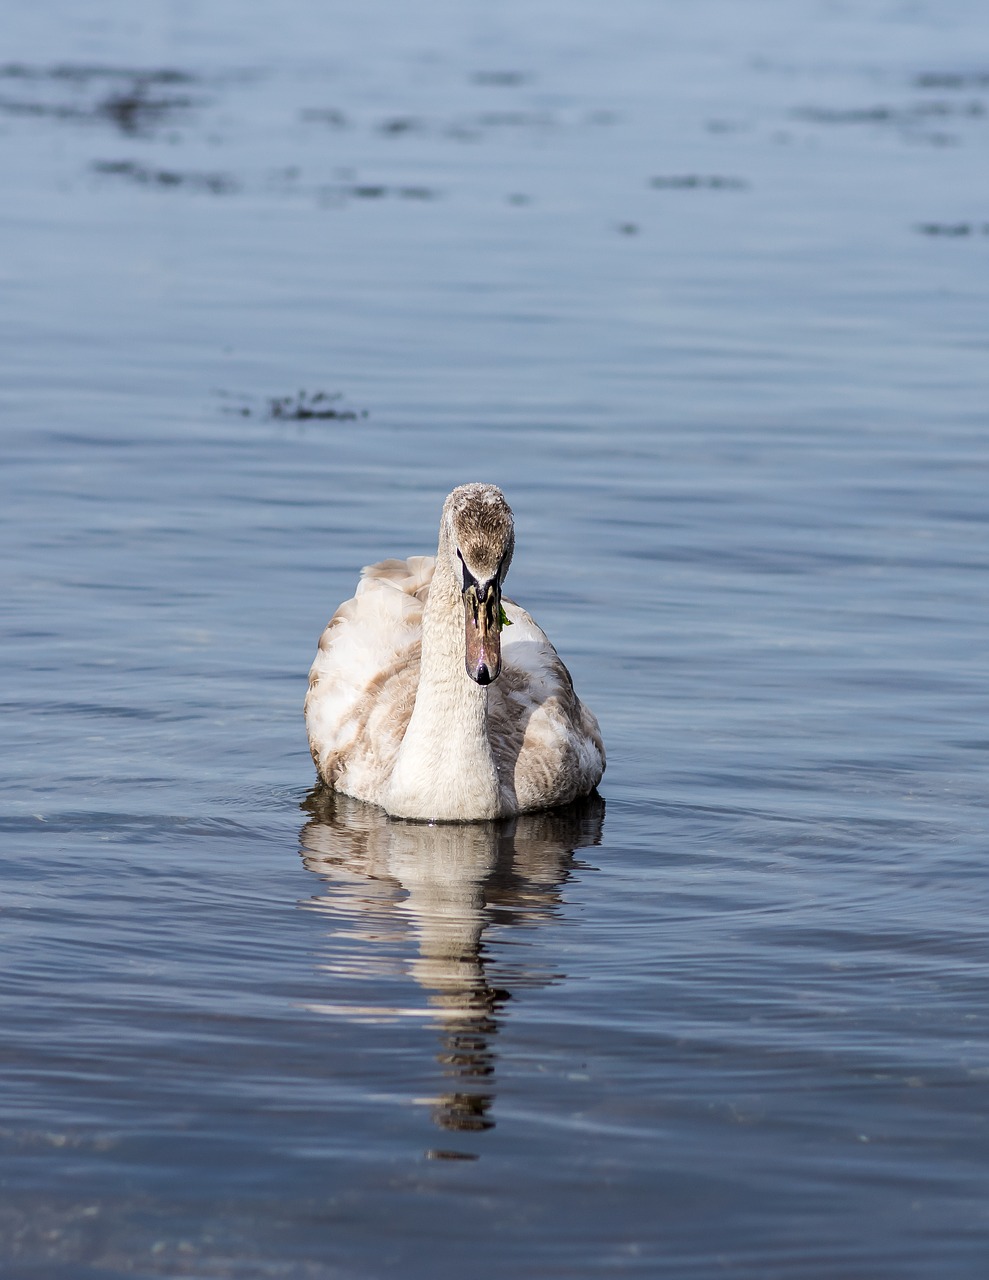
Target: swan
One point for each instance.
(437, 698)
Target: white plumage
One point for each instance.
(421, 701)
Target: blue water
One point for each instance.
(704, 289)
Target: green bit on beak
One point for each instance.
(503, 619)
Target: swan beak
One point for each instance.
(482, 620)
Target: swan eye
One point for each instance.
(477, 595)
(469, 579)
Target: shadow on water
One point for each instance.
(440, 889)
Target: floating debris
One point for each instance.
(302, 407)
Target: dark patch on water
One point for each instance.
(697, 182)
(603, 117)
(135, 112)
(953, 230)
(50, 110)
(514, 119)
(921, 121)
(375, 191)
(135, 100)
(723, 126)
(148, 176)
(501, 79)
(396, 126)
(952, 80)
(883, 115)
(83, 73)
(331, 116)
(466, 128)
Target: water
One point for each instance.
(704, 289)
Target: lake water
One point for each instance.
(705, 290)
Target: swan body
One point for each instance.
(424, 701)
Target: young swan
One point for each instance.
(437, 698)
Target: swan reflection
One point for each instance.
(424, 897)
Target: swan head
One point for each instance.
(481, 530)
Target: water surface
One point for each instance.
(704, 289)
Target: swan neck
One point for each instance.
(445, 768)
(446, 691)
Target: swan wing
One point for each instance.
(547, 744)
(363, 682)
